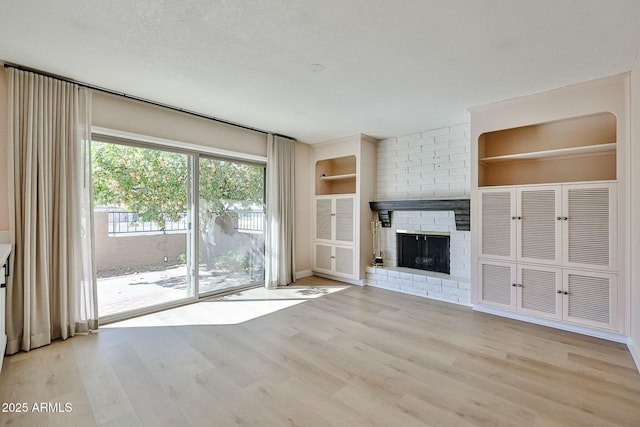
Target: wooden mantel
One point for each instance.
(460, 207)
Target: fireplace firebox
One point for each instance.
(423, 250)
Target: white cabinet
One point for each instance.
(529, 289)
(334, 249)
(577, 296)
(521, 224)
(589, 226)
(590, 298)
(334, 259)
(549, 251)
(568, 225)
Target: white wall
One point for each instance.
(303, 211)
(118, 113)
(429, 164)
(634, 257)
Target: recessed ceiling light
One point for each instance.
(316, 68)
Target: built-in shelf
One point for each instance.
(560, 152)
(574, 149)
(338, 177)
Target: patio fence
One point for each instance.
(124, 222)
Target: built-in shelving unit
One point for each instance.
(548, 221)
(344, 184)
(570, 150)
(336, 176)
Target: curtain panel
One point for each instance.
(52, 291)
(279, 247)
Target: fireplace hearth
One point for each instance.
(423, 250)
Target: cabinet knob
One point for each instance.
(558, 218)
(566, 293)
(514, 285)
(559, 292)
(565, 218)
(519, 217)
(513, 217)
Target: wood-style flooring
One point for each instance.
(357, 357)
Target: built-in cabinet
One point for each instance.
(344, 184)
(550, 251)
(547, 213)
(568, 225)
(335, 235)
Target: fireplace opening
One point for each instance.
(423, 250)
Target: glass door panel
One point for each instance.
(142, 227)
(231, 225)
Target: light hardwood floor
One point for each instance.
(358, 357)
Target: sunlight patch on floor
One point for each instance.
(231, 309)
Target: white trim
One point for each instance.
(611, 336)
(634, 352)
(340, 279)
(464, 304)
(177, 144)
(304, 273)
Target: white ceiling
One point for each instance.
(390, 67)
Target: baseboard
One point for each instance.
(304, 273)
(611, 336)
(634, 353)
(415, 294)
(340, 279)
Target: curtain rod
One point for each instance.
(136, 98)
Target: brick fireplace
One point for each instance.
(426, 165)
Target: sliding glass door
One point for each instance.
(146, 232)
(231, 224)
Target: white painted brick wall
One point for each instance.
(435, 163)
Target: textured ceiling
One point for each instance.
(390, 68)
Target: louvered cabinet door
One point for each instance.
(538, 289)
(589, 223)
(539, 222)
(498, 224)
(590, 298)
(345, 219)
(344, 260)
(324, 219)
(497, 282)
(323, 258)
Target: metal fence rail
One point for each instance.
(122, 222)
(129, 222)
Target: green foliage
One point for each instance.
(154, 183)
(222, 181)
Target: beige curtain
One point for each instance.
(52, 292)
(279, 247)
